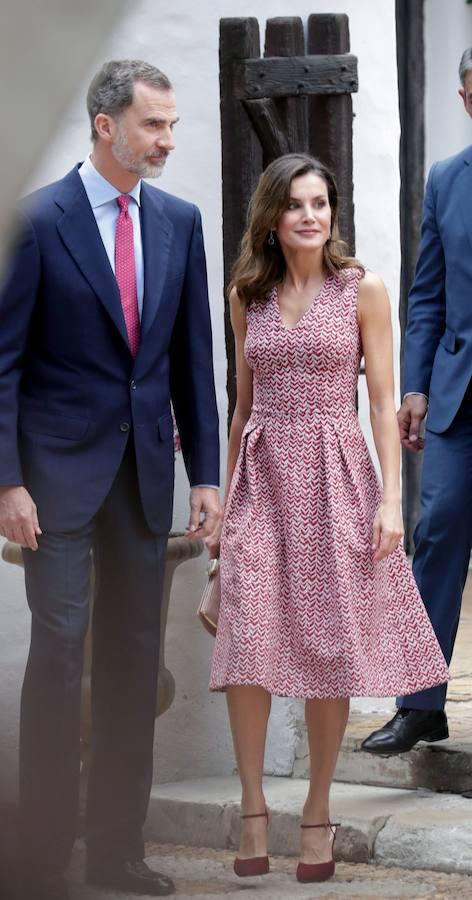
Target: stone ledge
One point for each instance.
(411, 829)
(429, 835)
(445, 766)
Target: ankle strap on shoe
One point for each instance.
(255, 815)
(323, 825)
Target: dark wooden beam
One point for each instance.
(285, 36)
(241, 161)
(295, 76)
(331, 117)
(411, 89)
(268, 127)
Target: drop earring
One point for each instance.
(271, 240)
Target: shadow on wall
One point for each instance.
(58, 44)
(41, 80)
(14, 638)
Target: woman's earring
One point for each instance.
(271, 240)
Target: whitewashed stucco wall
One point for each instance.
(182, 39)
(448, 32)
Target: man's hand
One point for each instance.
(19, 516)
(204, 502)
(410, 416)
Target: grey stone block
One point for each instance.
(435, 833)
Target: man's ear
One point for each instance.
(104, 127)
(461, 93)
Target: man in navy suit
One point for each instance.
(437, 379)
(104, 319)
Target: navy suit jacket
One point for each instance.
(71, 392)
(438, 347)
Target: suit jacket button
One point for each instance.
(124, 426)
(132, 384)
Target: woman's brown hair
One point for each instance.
(261, 265)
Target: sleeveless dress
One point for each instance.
(305, 611)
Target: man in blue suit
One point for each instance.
(104, 319)
(437, 379)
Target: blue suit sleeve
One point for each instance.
(17, 302)
(427, 301)
(191, 370)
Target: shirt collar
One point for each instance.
(99, 190)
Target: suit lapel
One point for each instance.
(80, 234)
(156, 233)
(464, 183)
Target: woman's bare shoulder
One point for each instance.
(237, 309)
(371, 283)
(373, 298)
(234, 298)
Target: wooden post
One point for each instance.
(241, 160)
(411, 87)
(330, 118)
(285, 37)
(265, 104)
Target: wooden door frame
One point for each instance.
(411, 93)
(294, 98)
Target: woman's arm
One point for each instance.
(243, 406)
(376, 334)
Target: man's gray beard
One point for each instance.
(126, 158)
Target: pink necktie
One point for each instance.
(125, 272)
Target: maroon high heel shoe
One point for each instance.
(318, 871)
(255, 865)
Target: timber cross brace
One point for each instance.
(292, 99)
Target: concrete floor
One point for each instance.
(207, 874)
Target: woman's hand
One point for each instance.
(213, 540)
(388, 529)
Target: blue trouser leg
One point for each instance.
(57, 585)
(129, 562)
(443, 539)
(129, 565)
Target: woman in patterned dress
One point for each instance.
(318, 600)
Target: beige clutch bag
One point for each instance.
(209, 606)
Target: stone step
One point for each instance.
(443, 766)
(412, 829)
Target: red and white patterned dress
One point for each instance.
(305, 610)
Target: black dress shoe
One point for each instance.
(133, 876)
(406, 728)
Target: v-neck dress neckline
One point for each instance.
(313, 304)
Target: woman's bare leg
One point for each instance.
(326, 722)
(249, 708)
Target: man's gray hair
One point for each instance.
(465, 64)
(112, 88)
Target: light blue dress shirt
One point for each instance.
(102, 198)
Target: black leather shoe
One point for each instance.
(406, 728)
(37, 884)
(133, 876)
